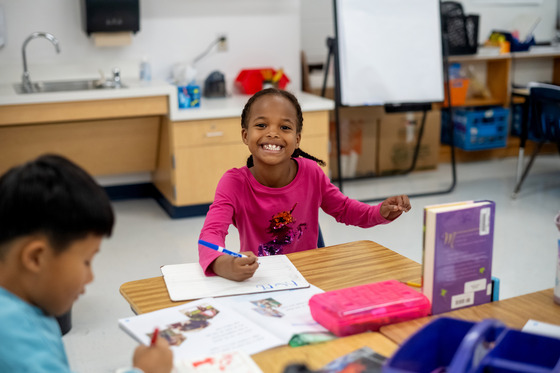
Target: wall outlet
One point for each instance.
(223, 43)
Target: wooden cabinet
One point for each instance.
(498, 72)
(194, 154)
(495, 70)
(202, 152)
(105, 137)
(187, 157)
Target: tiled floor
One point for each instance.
(145, 238)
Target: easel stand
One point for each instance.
(424, 107)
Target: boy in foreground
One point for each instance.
(53, 217)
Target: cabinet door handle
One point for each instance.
(215, 134)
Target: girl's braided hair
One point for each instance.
(299, 125)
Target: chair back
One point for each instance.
(544, 112)
(320, 241)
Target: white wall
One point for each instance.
(316, 26)
(317, 20)
(261, 33)
(513, 14)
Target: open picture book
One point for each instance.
(250, 323)
(227, 362)
(188, 281)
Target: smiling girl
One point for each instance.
(274, 200)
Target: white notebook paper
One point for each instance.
(188, 281)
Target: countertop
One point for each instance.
(209, 108)
(536, 51)
(8, 95)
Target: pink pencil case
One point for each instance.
(367, 307)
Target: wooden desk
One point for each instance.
(329, 268)
(514, 312)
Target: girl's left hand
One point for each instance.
(393, 207)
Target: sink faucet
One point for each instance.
(117, 77)
(25, 80)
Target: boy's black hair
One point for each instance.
(52, 196)
(299, 125)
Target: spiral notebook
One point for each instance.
(187, 281)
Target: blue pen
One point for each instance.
(221, 249)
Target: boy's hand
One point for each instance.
(154, 359)
(237, 269)
(393, 207)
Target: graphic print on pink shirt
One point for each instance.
(284, 232)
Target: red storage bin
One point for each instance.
(250, 81)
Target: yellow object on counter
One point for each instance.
(504, 45)
(276, 78)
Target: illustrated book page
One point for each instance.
(283, 313)
(188, 281)
(209, 326)
(457, 258)
(229, 362)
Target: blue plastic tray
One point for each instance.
(458, 346)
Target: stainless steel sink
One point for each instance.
(67, 85)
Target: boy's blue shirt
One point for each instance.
(31, 341)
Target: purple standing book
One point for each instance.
(457, 255)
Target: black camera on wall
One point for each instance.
(111, 15)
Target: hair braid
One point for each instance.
(300, 153)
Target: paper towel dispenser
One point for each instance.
(111, 15)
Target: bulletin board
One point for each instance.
(389, 51)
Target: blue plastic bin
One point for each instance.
(476, 128)
(459, 346)
(515, 45)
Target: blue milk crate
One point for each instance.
(458, 346)
(477, 128)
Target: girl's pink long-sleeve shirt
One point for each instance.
(278, 220)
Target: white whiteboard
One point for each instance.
(389, 51)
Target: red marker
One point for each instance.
(154, 337)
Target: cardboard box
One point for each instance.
(397, 137)
(358, 141)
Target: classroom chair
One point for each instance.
(65, 322)
(320, 241)
(543, 124)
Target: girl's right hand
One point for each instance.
(237, 269)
